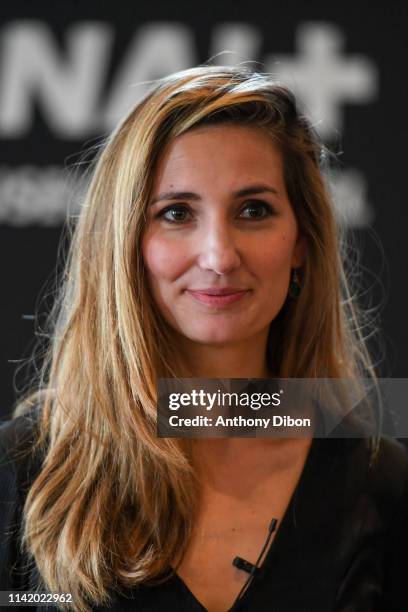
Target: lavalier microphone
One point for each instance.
(247, 566)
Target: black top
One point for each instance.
(341, 546)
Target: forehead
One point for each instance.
(220, 151)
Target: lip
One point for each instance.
(217, 297)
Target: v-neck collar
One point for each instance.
(320, 461)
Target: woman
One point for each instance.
(206, 248)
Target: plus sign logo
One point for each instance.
(323, 77)
(69, 87)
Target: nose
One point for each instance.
(218, 250)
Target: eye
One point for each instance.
(257, 209)
(175, 214)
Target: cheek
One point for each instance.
(274, 259)
(164, 260)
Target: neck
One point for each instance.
(234, 464)
(245, 359)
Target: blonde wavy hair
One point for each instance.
(113, 505)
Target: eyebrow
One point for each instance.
(189, 195)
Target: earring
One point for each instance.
(294, 287)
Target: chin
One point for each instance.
(217, 335)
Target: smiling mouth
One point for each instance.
(217, 297)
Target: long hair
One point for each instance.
(113, 504)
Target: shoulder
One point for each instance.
(390, 481)
(388, 471)
(369, 484)
(19, 465)
(382, 473)
(367, 496)
(15, 430)
(19, 460)
(379, 492)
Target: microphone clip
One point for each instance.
(246, 566)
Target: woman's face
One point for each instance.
(221, 236)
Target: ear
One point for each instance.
(299, 252)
